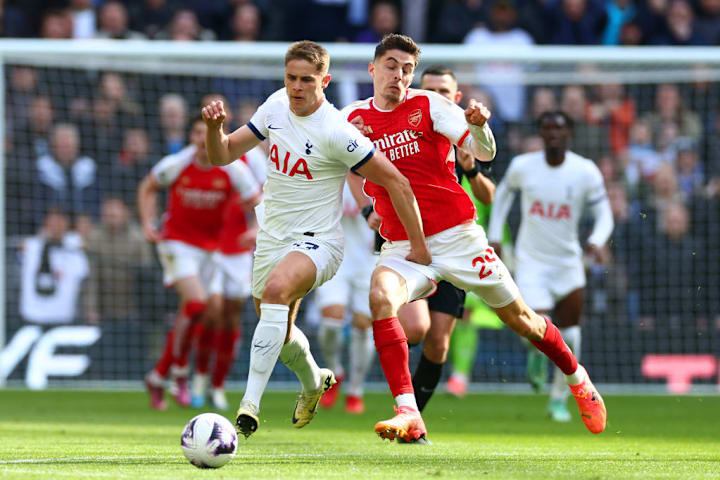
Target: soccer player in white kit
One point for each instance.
(556, 184)
(349, 290)
(300, 242)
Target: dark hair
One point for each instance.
(395, 41)
(311, 52)
(555, 113)
(439, 70)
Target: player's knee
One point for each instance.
(380, 300)
(194, 308)
(276, 291)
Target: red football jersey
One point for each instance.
(417, 136)
(234, 224)
(199, 196)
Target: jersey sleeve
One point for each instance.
(504, 197)
(167, 170)
(242, 179)
(258, 122)
(348, 145)
(595, 188)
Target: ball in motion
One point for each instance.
(209, 441)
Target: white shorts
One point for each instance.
(233, 275)
(350, 287)
(461, 256)
(544, 284)
(182, 260)
(325, 250)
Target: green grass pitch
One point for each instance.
(67, 434)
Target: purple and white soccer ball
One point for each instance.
(209, 441)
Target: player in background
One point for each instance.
(555, 184)
(348, 290)
(417, 130)
(198, 196)
(300, 243)
(229, 289)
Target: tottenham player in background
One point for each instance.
(300, 241)
(555, 184)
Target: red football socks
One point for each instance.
(204, 345)
(556, 350)
(392, 348)
(166, 359)
(225, 342)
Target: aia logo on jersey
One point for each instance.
(299, 166)
(550, 211)
(415, 118)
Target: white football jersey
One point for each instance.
(308, 160)
(552, 202)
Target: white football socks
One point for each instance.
(330, 336)
(265, 348)
(362, 352)
(558, 390)
(297, 357)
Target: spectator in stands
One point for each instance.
(575, 22)
(631, 35)
(670, 109)
(32, 139)
(665, 192)
(21, 90)
(117, 251)
(65, 178)
(12, 21)
(113, 23)
(588, 140)
(84, 18)
(53, 269)
(151, 16)
(618, 12)
(643, 159)
(707, 22)
(384, 19)
(184, 27)
(690, 172)
(502, 29)
(56, 24)
(173, 123)
(456, 19)
(679, 27)
(615, 110)
(246, 23)
(131, 164)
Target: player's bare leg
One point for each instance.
(276, 337)
(387, 293)
(567, 319)
(537, 364)
(331, 340)
(547, 338)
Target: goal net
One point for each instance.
(84, 122)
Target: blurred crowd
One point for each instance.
(563, 22)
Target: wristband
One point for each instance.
(366, 211)
(473, 172)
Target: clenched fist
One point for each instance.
(476, 113)
(214, 114)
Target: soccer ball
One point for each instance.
(209, 441)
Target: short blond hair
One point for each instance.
(312, 52)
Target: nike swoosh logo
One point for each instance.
(427, 390)
(274, 128)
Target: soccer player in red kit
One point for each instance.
(198, 196)
(416, 129)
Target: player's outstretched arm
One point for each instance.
(147, 206)
(381, 171)
(482, 145)
(224, 149)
